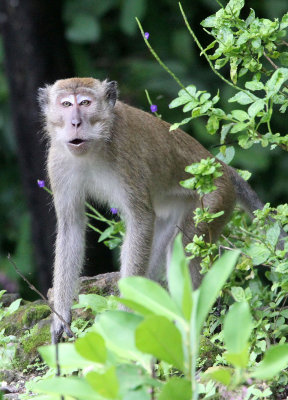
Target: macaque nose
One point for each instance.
(76, 122)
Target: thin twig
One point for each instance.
(32, 287)
(270, 61)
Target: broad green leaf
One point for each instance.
(75, 387)
(212, 124)
(238, 326)
(254, 85)
(234, 7)
(239, 126)
(175, 126)
(275, 360)
(176, 389)
(238, 293)
(149, 294)
(219, 374)
(158, 336)
(179, 280)
(243, 98)
(212, 284)
(256, 107)
(118, 330)
(106, 234)
(240, 115)
(239, 360)
(68, 356)
(228, 156)
(274, 84)
(93, 301)
(13, 306)
(133, 305)
(258, 252)
(92, 347)
(273, 234)
(105, 384)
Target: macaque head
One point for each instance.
(78, 111)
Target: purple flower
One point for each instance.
(146, 35)
(114, 211)
(41, 184)
(153, 108)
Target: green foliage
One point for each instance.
(120, 339)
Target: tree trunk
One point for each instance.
(35, 53)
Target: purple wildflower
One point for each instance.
(41, 184)
(114, 211)
(153, 108)
(146, 35)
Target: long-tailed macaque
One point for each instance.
(105, 150)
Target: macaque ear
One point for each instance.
(111, 92)
(43, 97)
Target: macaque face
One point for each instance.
(79, 116)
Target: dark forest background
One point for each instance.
(41, 41)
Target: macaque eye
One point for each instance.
(85, 103)
(66, 103)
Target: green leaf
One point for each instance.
(75, 387)
(238, 293)
(176, 389)
(92, 347)
(256, 107)
(228, 156)
(243, 98)
(273, 234)
(254, 85)
(275, 360)
(149, 294)
(219, 374)
(106, 234)
(259, 253)
(240, 115)
(274, 84)
(105, 384)
(179, 280)
(158, 336)
(14, 306)
(238, 326)
(212, 284)
(175, 126)
(239, 360)
(118, 329)
(239, 126)
(93, 301)
(129, 11)
(68, 356)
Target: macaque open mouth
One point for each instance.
(77, 142)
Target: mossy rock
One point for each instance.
(26, 352)
(24, 318)
(207, 352)
(102, 284)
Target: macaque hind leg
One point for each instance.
(165, 231)
(211, 233)
(136, 249)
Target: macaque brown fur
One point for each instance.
(105, 150)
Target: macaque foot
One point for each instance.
(58, 328)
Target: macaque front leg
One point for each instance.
(69, 257)
(136, 249)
